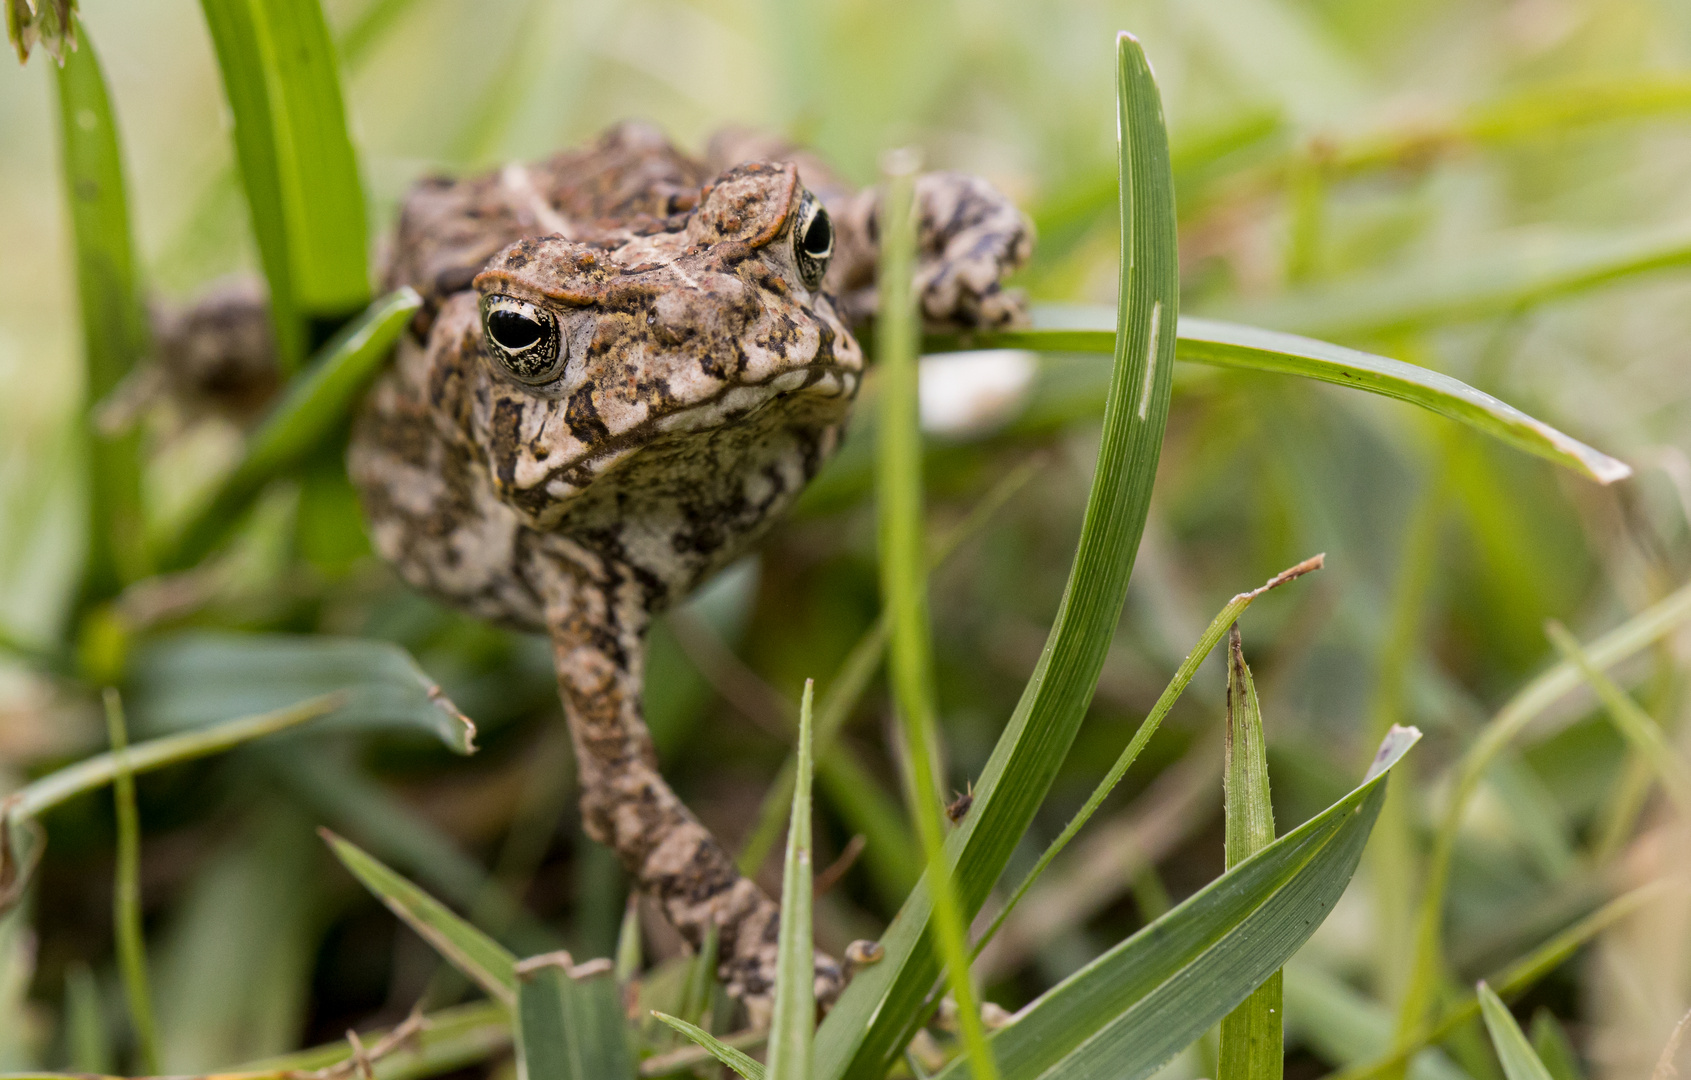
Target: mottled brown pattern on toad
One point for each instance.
(629, 364)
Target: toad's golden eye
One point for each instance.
(813, 241)
(524, 337)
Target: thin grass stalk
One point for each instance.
(1512, 981)
(903, 583)
(1619, 644)
(1393, 850)
(793, 1023)
(1636, 726)
(126, 895)
(858, 669)
(1183, 676)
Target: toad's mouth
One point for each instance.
(732, 406)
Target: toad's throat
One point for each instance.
(830, 386)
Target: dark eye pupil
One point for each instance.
(819, 237)
(513, 330)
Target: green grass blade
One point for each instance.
(88, 1044)
(1635, 725)
(198, 677)
(870, 1025)
(1224, 344)
(1519, 1061)
(448, 1040)
(126, 895)
(348, 800)
(737, 1060)
(1515, 979)
(904, 588)
(794, 1021)
(1624, 641)
(114, 322)
(1516, 274)
(570, 1024)
(485, 961)
(297, 163)
(1132, 1009)
(628, 957)
(1153, 720)
(1252, 1036)
(1550, 1042)
(315, 404)
(96, 772)
(701, 978)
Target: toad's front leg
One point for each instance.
(598, 641)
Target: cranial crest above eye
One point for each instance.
(748, 203)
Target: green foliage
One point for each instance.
(570, 1023)
(790, 1027)
(904, 588)
(489, 964)
(297, 163)
(880, 1011)
(114, 325)
(1306, 203)
(316, 404)
(1126, 1013)
(740, 1062)
(1248, 348)
(1519, 1061)
(1252, 1042)
(126, 895)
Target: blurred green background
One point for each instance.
(1493, 189)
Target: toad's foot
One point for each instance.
(969, 238)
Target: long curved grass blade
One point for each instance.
(96, 772)
(489, 964)
(1252, 1035)
(1132, 1009)
(297, 163)
(898, 486)
(570, 1023)
(1624, 641)
(126, 895)
(1224, 344)
(738, 1060)
(1513, 1050)
(875, 1018)
(114, 322)
(794, 1021)
(315, 403)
